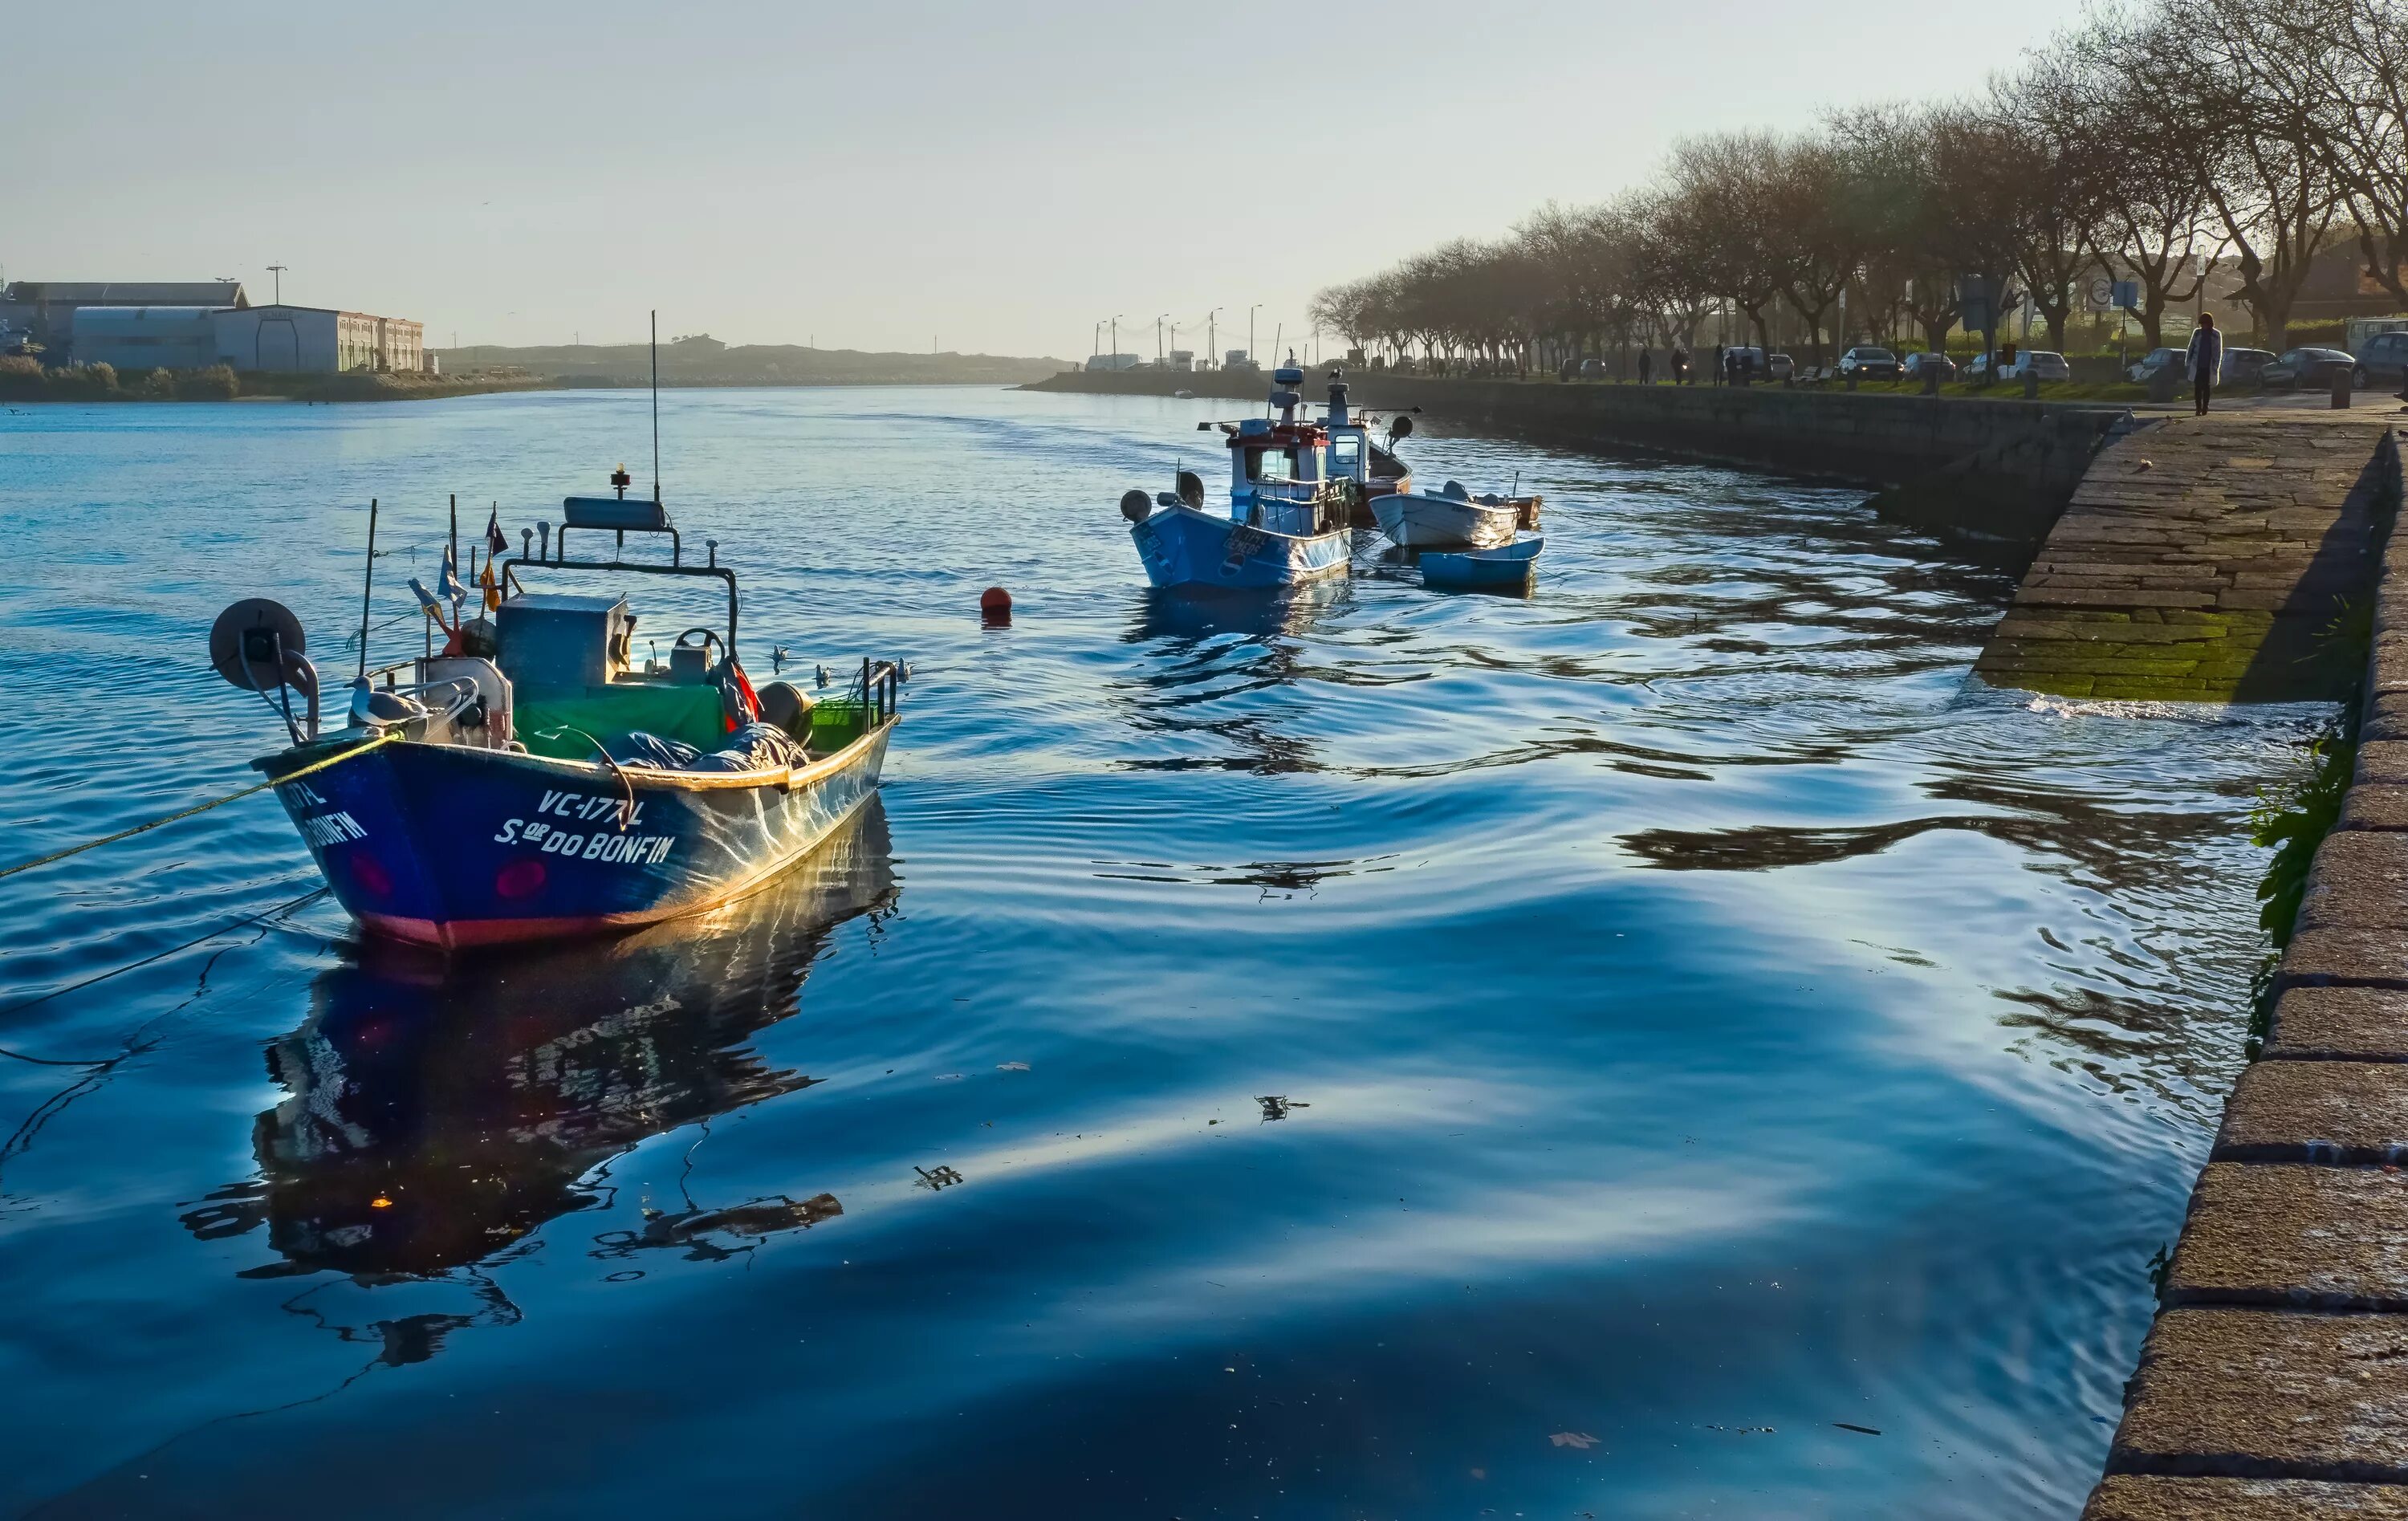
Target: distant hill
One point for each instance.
(703, 360)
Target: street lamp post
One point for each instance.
(278, 270)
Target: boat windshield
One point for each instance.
(1345, 455)
(1270, 464)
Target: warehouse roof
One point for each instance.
(204, 293)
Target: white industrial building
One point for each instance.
(194, 324)
(319, 339)
(306, 340)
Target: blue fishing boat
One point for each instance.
(538, 778)
(1288, 513)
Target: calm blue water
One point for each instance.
(1701, 1014)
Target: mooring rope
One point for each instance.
(201, 808)
(226, 928)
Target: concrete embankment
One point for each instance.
(2275, 1381)
(2206, 559)
(1990, 470)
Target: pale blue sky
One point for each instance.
(992, 178)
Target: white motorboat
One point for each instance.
(1451, 519)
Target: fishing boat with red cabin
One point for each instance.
(540, 777)
(1289, 512)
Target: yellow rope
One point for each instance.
(203, 808)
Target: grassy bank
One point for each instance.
(26, 379)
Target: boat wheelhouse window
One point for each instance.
(1345, 455)
(1270, 464)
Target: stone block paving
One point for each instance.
(2204, 559)
(2275, 1380)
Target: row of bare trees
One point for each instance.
(2141, 146)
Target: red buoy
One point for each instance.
(994, 606)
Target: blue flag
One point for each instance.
(448, 582)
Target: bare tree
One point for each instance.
(2157, 226)
(1721, 216)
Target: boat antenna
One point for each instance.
(656, 406)
(367, 582)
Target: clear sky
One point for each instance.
(985, 177)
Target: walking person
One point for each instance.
(2206, 358)
(1647, 366)
(1722, 366)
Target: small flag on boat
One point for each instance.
(493, 588)
(495, 541)
(448, 582)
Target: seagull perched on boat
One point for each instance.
(824, 673)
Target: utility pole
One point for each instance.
(1157, 339)
(1096, 339)
(278, 270)
(1250, 329)
(1116, 335)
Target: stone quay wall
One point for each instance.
(2275, 1380)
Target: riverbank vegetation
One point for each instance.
(23, 379)
(2166, 144)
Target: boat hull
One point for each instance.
(1183, 547)
(1505, 566)
(452, 847)
(1416, 521)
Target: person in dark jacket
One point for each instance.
(2206, 359)
(1646, 367)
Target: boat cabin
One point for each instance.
(1278, 465)
(560, 673)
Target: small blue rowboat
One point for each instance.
(1506, 566)
(538, 780)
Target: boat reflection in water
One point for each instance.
(437, 1117)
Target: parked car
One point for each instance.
(1778, 366)
(1592, 370)
(2241, 367)
(2384, 358)
(2157, 358)
(1920, 365)
(2045, 363)
(1749, 361)
(1867, 363)
(2311, 368)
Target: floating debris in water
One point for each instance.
(748, 1221)
(944, 1177)
(1867, 1430)
(1275, 1106)
(1579, 1440)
